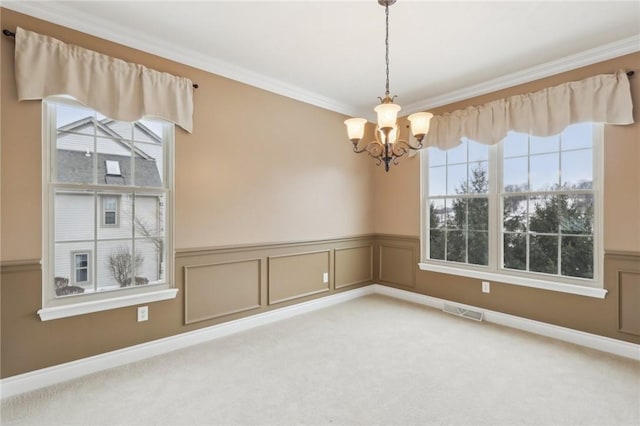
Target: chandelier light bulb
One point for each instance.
(391, 138)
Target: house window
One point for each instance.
(109, 210)
(527, 207)
(113, 168)
(107, 205)
(81, 264)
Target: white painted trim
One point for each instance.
(581, 290)
(571, 62)
(81, 308)
(33, 380)
(593, 341)
(59, 373)
(71, 18)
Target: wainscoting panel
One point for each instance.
(629, 302)
(220, 289)
(353, 265)
(622, 279)
(398, 264)
(296, 275)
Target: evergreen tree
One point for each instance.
(555, 222)
(467, 238)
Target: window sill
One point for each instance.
(82, 308)
(599, 293)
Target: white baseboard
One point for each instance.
(37, 379)
(593, 341)
(59, 373)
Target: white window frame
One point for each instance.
(74, 268)
(494, 271)
(104, 211)
(54, 307)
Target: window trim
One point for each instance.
(513, 279)
(494, 271)
(78, 304)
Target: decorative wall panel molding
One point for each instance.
(627, 268)
(353, 265)
(288, 271)
(12, 266)
(622, 276)
(398, 263)
(629, 302)
(297, 275)
(220, 289)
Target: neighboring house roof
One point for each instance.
(104, 124)
(77, 166)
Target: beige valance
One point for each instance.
(120, 90)
(603, 99)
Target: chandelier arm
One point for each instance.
(373, 148)
(407, 145)
(359, 151)
(399, 149)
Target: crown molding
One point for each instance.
(571, 62)
(69, 17)
(95, 26)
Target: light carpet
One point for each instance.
(372, 360)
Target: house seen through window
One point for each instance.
(526, 206)
(108, 211)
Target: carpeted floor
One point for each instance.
(372, 360)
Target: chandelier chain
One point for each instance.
(386, 43)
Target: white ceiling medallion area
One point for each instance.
(71, 15)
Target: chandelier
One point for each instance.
(387, 147)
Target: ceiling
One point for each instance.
(331, 53)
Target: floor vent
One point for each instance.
(463, 312)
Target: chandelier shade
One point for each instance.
(388, 146)
(387, 114)
(355, 128)
(420, 123)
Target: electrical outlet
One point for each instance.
(325, 277)
(143, 313)
(486, 287)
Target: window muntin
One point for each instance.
(544, 206)
(108, 187)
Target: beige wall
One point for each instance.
(258, 167)
(401, 186)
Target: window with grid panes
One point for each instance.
(107, 200)
(526, 207)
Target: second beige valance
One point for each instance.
(120, 90)
(603, 99)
